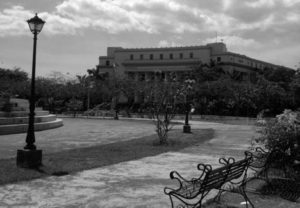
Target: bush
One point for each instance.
(281, 133)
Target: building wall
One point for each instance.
(178, 59)
(174, 62)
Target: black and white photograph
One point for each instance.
(149, 103)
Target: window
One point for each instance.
(131, 56)
(163, 76)
(151, 56)
(161, 56)
(131, 75)
(142, 76)
(191, 55)
(181, 55)
(218, 59)
(107, 63)
(152, 76)
(171, 55)
(141, 56)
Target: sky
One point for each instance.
(77, 32)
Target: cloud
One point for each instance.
(118, 16)
(57, 24)
(236, 43)
(166, 43)
(263, 20)
(12, 21)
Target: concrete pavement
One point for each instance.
(136, 183)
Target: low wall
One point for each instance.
(22, 128)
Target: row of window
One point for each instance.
(141, 76)
(219, 59)
(161, 56)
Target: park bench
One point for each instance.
(274, 168)
(231, 176)
(263, 161)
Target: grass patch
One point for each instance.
(74, 160)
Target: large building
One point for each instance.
(144, 63)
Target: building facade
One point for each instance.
(146, 63)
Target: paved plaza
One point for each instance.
(137, 183)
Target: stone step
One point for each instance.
(22, 128)
(24, 120)
(22, 113)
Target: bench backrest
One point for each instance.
(237, 169)
(214, 179)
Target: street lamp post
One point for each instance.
(30, 157)
(186, 126)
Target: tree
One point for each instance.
(14, 82)
(295, 89)
(74, 105)
(15, 74)
(122, 88)
(161, 102)
(222, 93)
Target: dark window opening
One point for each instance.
(161, 56)
(141, 56)
(151, 56)
(131, 75)
(191, 55)
(171, 55)
(107, 63)
(152, 76)
(163, 76)
(131, 57)
(142, 76)
(181, 55)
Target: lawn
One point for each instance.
(77, 159)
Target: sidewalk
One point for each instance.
(136, 183)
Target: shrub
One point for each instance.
(7, 107)
(281, 133)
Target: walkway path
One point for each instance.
(137, 183)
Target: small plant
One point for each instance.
(162, 99)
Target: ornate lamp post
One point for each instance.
(186, 126)
(30, 157)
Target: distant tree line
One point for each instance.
(219, 93)
(214, 91)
